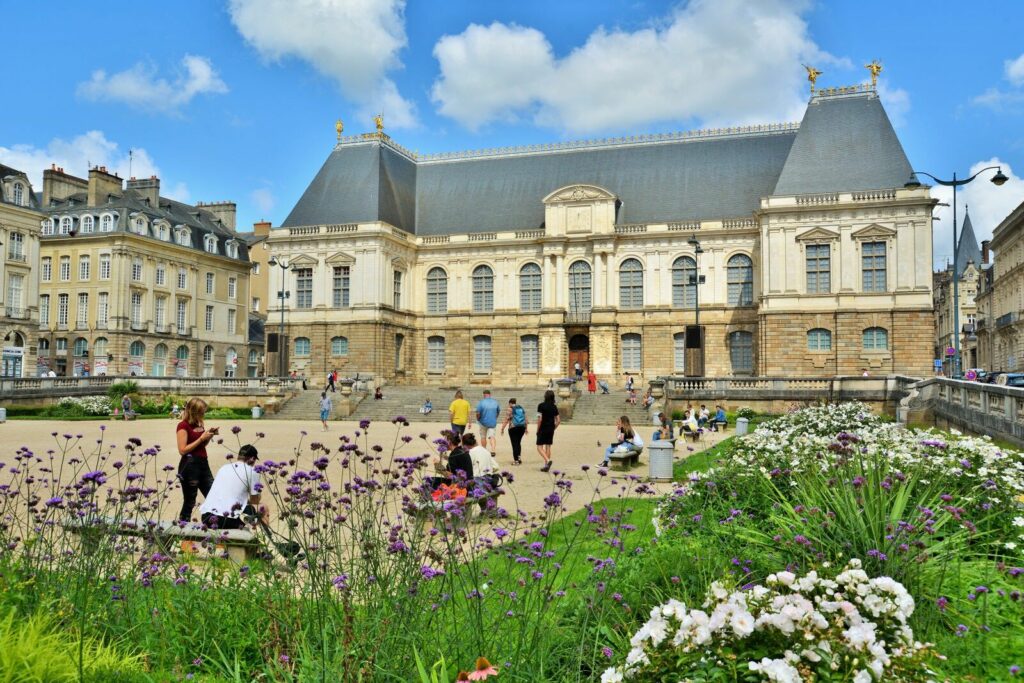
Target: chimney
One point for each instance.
(101, 184)
(148, 189)
(225, 211)
(58, 185)
(261, 228)
(986, 251)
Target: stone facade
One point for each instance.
(19, 263)
(1001, 302)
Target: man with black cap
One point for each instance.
(235, 492)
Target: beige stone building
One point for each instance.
(19, 261)
(1001, 302)
(968, 268)
(511, 265)
(258, 286)
(132, 283)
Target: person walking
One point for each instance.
(194, 466)
(331, 378)
(515, 422)
(579, 370)
(487, 411)
(548, 420)
(326, 407)
(459, 413)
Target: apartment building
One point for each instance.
(19, 258)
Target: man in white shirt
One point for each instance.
(235, 492)
(485, 467)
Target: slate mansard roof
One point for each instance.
(845, 142)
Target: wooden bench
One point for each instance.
(241, 545)
(627, 459)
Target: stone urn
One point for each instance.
(564, 388)
(346, 386)
(657, 389)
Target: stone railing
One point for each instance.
(684, 225)
(811, 199)
(14, 388)
(969, 406)
(874, 196)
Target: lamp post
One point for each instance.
(912, 184)
(697, 280)
(282, 295)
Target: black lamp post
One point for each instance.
(697, 280)
(282, 295)
(912, 184)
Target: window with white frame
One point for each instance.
(679, 351)
(104, 266)
(46, 268)
(83, 267)
(339, 346)
(15, 292)
(819, 339)
(62, 344)
(529, 353)
(65, 225)
(82, 320)
(256, 304)
(632, 352)
(182, 318)
(160, 312)
(397, 289)
(873, 266)
(210, 243)
(15, 246)
(876, 339)
(631, 284)
(481, 354)
(102, 309)
(435, 354)
(208, 354)
(741, 352)
(139, 225)
(232, 320)
(136, 270)
(340, 290)
(437, 291)
(65, 268)
(88, 224)
(580, 291)
(684, 287)
(232, 288)
(47, 226)
(302, 346)
(210, 283)
(184, 237)
(106, 223)
(161, 275)
(182, 278)
(232, 249)
(99, 347)
(740, 274)
(255, 268)
(80, 348)
(304, 288)
(819, 268)
(136, 310)
(44, 310)
(18, 194)
(44, 345)
(162, 231)
(483, 289)
(208, 324)
(62, 310)
(530, 288)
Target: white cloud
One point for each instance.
(1014, 70)
(75, 156)
(994, 98)
(989, 205)
(140, 86)
(263, 198)
(354, 42)
(719, 61)
(896, 102)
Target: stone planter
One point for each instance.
(657, 388)
(564, 388)
(346, 386)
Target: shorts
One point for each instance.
(488, 432)
(324, 414)
(458, 429)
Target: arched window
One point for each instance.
(184, 237)
(632, 353)
(819, 339)
(435, 354)
(208, 354)
(160, 351)
(302, 346)
(106, 223)
(140, 225)
(88, 224)
(254, 357)
(741, 352)
(65, 225)
(579, 289)
(160, 360)
(48, 226)
(99, 347)
(437, 291)
(162, 231)
(44, 345)
(876, 339)
(339, 346)
(137, 349)
(81, 347)
(210, 243)
(483, 289)
(481, 354)
(529, 353)
(232, 248)
(181, 353)
(741, 280)
(530, 288)
(19, 194)
(684, 288)
(679, 351)
(631, 284)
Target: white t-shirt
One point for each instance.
(483, 462)
(231, 489)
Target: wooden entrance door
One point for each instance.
(579, 352)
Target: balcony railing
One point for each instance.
(139, 326)
(1007, 319)
(577, 317)
(17, 257)
(162, 329)
(16, 312)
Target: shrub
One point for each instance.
(119, 389)
(79, 406)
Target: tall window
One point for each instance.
(15, 287)
(137, 270)
(819, 339)
(684, 294)
(182, 278)
(481, 354)
(65, 225)
(876, 339)
(44, 345)
(579, 287)
(181, 354)
(104, 266)
(16, 246)
(184, 238)
(65, 268)
(140, 226)
(397, 289)
(99, 347)
(48, 226)
(631, 284)
(208, 354)
(44, 310)
(62, 311)
(740, 271)
(741, 352)
(679, 351)
(19, 194)
(136, 311)
(873, 266)
(80, 347)
(483, 289)
(88, 224)
(160, 312)
(210, 283)
(530, 288)
(232, 321)
(632, 353)
(210, 244)
(232, 288)
(182, 318)
(161, 231)
(83, 267)
(437, 291)
(102, 310)
(529, 353)
(255, 304)
(82, 319)
(106, 223)
(819, 269)
(302, 346)
(161, 275)
(46, 268)
(232, 249)
(304, 288)
(435, 354)
(159, 359)
(340, 292)
(208, 320)
(339, 346)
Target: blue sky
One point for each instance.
(237, 99)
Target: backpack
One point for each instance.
(518, 416)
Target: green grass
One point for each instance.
(702, 461)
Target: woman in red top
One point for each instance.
(194, 467)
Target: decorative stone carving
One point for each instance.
(578, 193)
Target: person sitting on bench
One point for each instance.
(485, 467)
(720, 419)
(690, 426)
(625, 440)
(459, 466)
(235, 493)
(664, 432)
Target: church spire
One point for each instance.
(967, 249)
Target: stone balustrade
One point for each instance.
(35, 388)
(968, 406)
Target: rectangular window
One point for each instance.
(83, 267)
(160, 313)
(256, 268)
(137, 270)
(529, 359)
(15, 286)
(530, 288)
(255, 304)
(632, 353)
(231, 321)
(679, 351)
(104, 266)
(232, 288)
(44, 310)
(16, 246)
(435, 354)
(82, 321)
(65, 268)
(873, 266)
(62, 311)
(819, 269)
(46, 266)
(209, 319)
(62, 344)
(341, 285)
(182, 278)
(481, 354)
(182, 320)
(161, 275)
(209, 283)
(398, 289)
(304, 288)
(136, 311)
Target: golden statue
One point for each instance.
(875, 67)
(339, 127)
(812, 76)
(379, 121)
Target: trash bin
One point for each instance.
(3, 415)
(741, 426)
(660, 460)
(256, 412)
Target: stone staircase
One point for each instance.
(407, 400)
(600, 409)
(303, 406)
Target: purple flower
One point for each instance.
(54, 502)
(364, 424)
(607, 652)
(430, 573)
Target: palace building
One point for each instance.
(796, 245)
(19, 259)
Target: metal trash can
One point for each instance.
(256, 412)
(741, 426)
(660, 460)
(3, 415)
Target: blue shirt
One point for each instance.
(487, 412)
(720, 416)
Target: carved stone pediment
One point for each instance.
(578, 193)
(873, 232)
(399, 263)
(340, 258)
(302, 260)
(817, 235)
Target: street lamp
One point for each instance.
(696, 280)
(912, 184)
(282, 295)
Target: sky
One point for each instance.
(237, 99)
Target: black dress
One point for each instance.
(546, 432)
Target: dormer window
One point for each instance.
(210, 244)
(184, 237)
(65, 225)
(139, 225)
(47, 226)
(106, 223)
(162, 231)
(18, 195)
(232, 249)
(88, 224)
